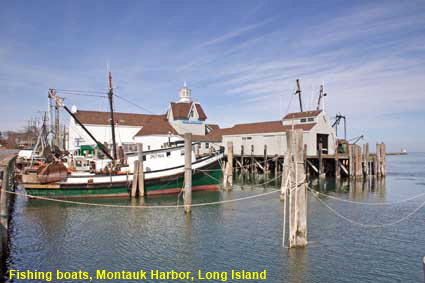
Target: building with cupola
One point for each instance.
(154, 131)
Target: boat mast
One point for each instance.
(298, 92)
(111, 106)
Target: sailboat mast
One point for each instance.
(111, 105)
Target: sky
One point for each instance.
(240, 58)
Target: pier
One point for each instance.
(354, 161)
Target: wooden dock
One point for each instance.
(357, 162)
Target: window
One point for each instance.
(303, 120)
(149, 147)
(310, 119)
(207, 145)
(168, 153)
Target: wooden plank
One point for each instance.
(343, 168)
(312, 166)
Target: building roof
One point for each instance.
(150, 124)
(304, 114)
(157, 126)
(181, 110)
(213, 136)
(103, 118)
(264, 127)
(213, 127)
(201, 113)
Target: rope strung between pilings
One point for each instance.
(363, 224)
(367, 203)
(145, 206)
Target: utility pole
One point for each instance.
(298, 92)
(111, 106)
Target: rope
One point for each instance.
(367, 203)
(146, 206)
(368, 225)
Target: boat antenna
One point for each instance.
(111, 106)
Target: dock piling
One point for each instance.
(297, 192)
(141, 174)
(228, 176)
(187, 172)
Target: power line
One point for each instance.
(80, 94)
(81, 91)
(134, 104)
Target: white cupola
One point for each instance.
(184, 94)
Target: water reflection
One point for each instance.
(236, 235)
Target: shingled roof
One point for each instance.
(264, 127)
(297, 115)
(181, 110)
(104, 118)
(150, 124)
(157, 126)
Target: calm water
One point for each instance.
(47, 236)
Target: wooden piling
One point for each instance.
(358, 161)
(365, 159)
(242, 163)
(229, 168)
(187, 172)
(337, 167)
(383, 160)
(351, 160)
(285, 176)
(266, 163)
(298, 192)
(135, 181)
(141, 174)
(423, 266)
(378, 160)
(319, 155)
(276, 162)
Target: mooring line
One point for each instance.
(363, 224)
(145, 206)
(367, 203)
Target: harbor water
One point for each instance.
(243, 235)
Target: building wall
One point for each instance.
(276, 142)
(123, 134)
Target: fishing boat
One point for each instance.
(157, 180)
(110, 176)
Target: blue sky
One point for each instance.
(240, 58)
